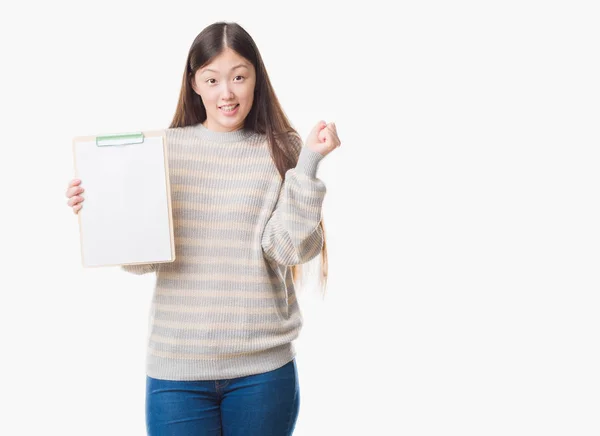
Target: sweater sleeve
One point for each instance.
(139, 269)
(292, 235)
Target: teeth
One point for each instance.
(228, 108)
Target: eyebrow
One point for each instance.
(234, 68)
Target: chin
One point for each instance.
(231, 121)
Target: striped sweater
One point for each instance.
(226, 307)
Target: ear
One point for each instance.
(193, 82)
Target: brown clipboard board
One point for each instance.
(127, 217)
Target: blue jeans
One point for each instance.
(264, 404)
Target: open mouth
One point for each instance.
(229, 108)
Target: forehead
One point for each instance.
(225, 62)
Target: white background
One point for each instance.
(462, 210)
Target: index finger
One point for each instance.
(74, 182)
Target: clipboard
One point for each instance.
(126, 218)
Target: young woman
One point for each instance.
(247, 209)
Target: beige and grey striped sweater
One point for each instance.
(226, 307)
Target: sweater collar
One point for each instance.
(235, 136)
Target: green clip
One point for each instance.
(120, 139)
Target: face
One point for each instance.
(226, 86)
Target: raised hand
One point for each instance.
(323, 138)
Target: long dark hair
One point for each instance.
(266, 115)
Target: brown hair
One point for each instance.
(266, 115)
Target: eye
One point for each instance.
(209, 81)
(239, 77)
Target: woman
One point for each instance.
(247, 209)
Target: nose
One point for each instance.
(226, 92)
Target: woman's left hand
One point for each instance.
(323, 138)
